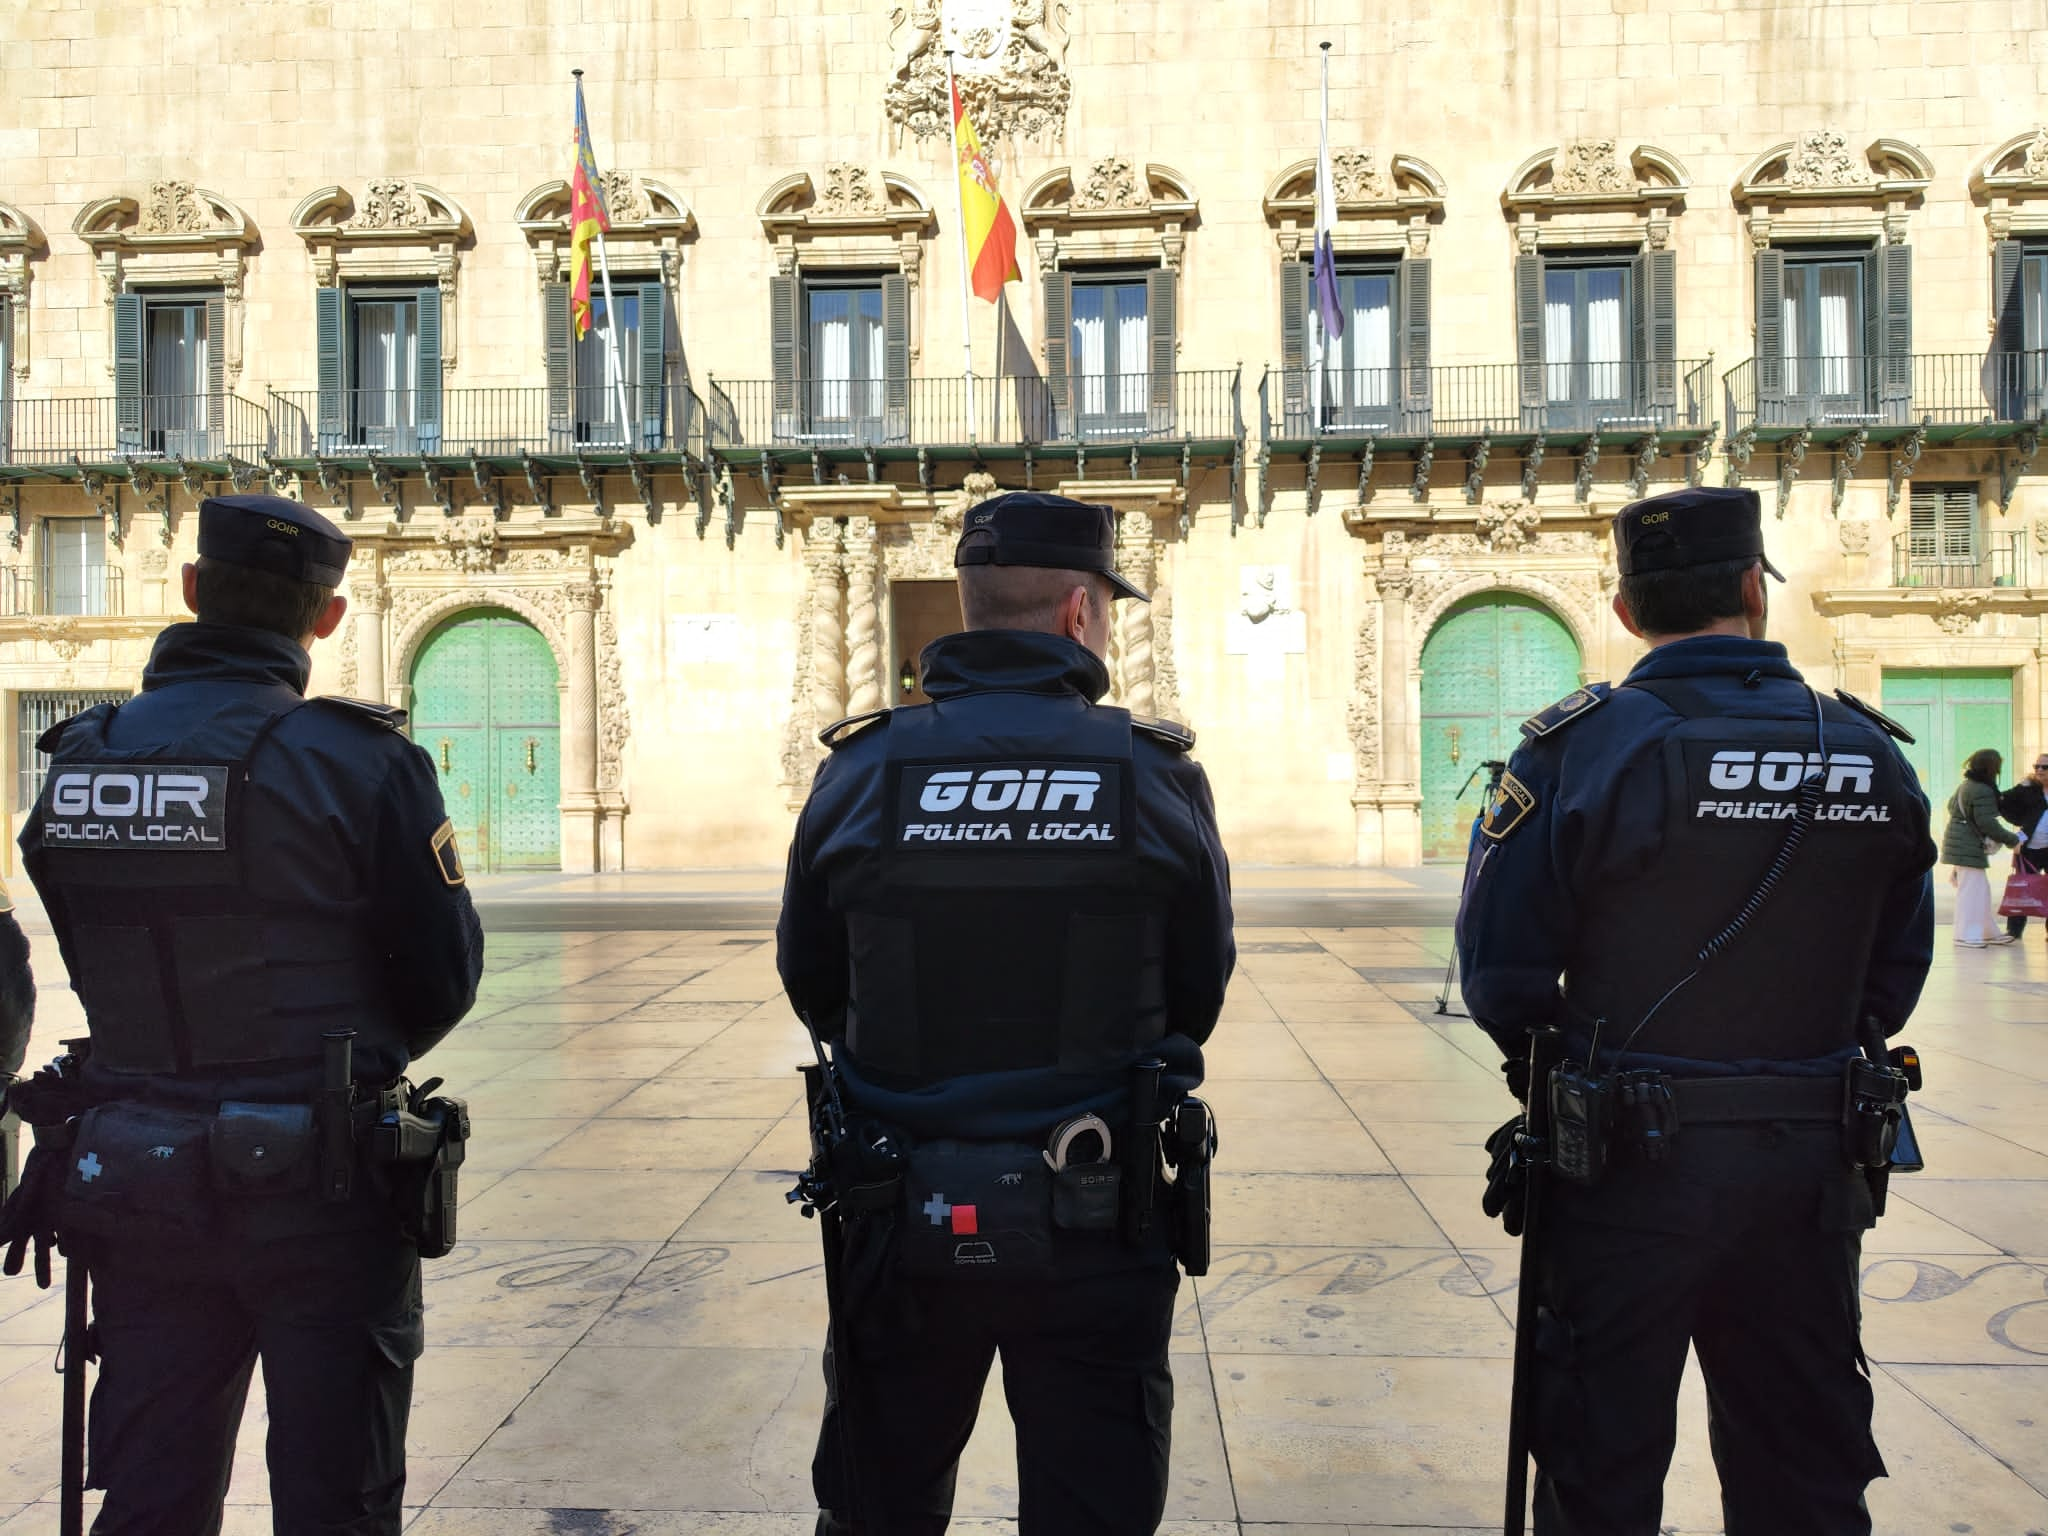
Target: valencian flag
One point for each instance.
(991, 232)
(588, 218)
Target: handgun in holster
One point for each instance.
(421, 1138)
(1877, 1130)
(1190, 1143)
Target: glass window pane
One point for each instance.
(2034, 301)
(597, 400)
(1606, 347)
(74, 574)
(1560, 298)
(1092, 305)
(1133, 349)
(1841, 327)
(1362, 367)
(1794, 318)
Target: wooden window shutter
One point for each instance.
(1529, 333)
(1295, 280)
(330, 409)
(1944, 524)
(2009, 330)
(1416, 399)
(653, 365)
(1160, 292)
(428, 331)
(1895, 380)
(1657, 354)
(1059, 306)
(896, 357)
(783, 321)
(6, 379)
(128, 372)
(1770, 327)
(216, 376)
(558, 348)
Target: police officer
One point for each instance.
(1634, 829)
(233, 871)
(996, 903)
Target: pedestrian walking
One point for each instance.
(1973, 830)
(2025, 805)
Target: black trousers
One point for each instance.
(1744, 1245)
(1085, 1373)
(335, 1319)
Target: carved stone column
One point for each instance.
(579, 732)
(156, 569)
(1137, 560)
(864, 685)
(1390, 813)
(372, 601)
(824, 557)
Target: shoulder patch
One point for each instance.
(447, 857)
(1505, 811)
(1884, 722)
(386, 715)
(1575, 705)
(1180, 737)
(840, 732)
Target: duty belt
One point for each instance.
(1730, 1100)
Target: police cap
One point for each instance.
(1700, 526)
(1038, 528)
(275, 534)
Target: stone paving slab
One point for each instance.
(626, 1341)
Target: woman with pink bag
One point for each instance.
(1973, 830)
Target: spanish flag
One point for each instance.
(588, 218)
(991, 232)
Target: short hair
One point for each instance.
(249, 598)
(1023, 596)
(1686, 600)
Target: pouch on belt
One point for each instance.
(977, 1210)
(138, 1171)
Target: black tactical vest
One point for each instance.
(1787, 986)
(1008, 926)
(141, 856)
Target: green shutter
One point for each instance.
(331, 406)
(216, 376)
(1770, 328)
(558, 349)
(428, 326)
(128, 372)
(1160, 317)
(653, 365)
(1295, 280)
(1413, 293)
(895, 358)
(783, 322)
(1895, 387)
(1529, 333)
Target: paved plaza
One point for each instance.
(627, 1339)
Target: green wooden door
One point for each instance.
(486, 710)
(1951, 714)
(1490, 664)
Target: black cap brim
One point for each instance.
(1766, 561)
(1122, 588)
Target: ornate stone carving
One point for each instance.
(1111, 183)
(2035, 165)
(823, 557)
(1958, 611)
(851, 189)
(1822, 158)
(921, 551)
(1362, 716)
(615, 720)
(2041, 535)
(173, 207)
(1165, 675)
(155, 562)
(390, 204)
(977, 486)
(347, 678)
(623, 199)
(1394, 581)
(1009, 55)
(1136, 557)
(863, 618)
(61, 635)
(1505, 526)
(1855, 537)
(797, 756)
(1587, 166)
(1356, 177)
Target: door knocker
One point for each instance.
(1457, 736)
(444, 755)
(531, 743)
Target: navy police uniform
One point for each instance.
(1630, 830)
(996, 903)
(232, 870)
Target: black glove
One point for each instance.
(1516, 1070)
(28, 1216)
(1507, 1178)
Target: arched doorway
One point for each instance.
(485, 707)
(1490, 663)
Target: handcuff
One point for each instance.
(1073, 1130)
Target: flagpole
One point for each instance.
(1318, 341)
(960, 221)
(614, 364)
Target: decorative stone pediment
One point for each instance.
(400, 230)
(1381, 199)
(174, 235)
(1592, 173)
(1116, 207)
(845, 198)
(1819, 165)
(644, 214)
(1009, 57)
(2012, 182)
(20, 243)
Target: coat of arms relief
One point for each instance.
(1008, 55)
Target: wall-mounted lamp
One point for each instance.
(908, 676)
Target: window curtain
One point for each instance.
(1369, 331)
(175, 371)
(596, 399)
(832, 351)
(74, 565)
(1795, 338)
(384, 364)
(1091, 350)
(1557, 334)
(1839, 325)
(1133, 344)
(1605, 355)
(873, 356)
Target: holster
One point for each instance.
(1190, 1143)
(420, 1144)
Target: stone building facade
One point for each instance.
(1587, 251)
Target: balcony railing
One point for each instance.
(1024, 411)
(1945, 389)
(104, 429)
(1995, 560)
(89, 593)
(405, 423)
(1472, 399)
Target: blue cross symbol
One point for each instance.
(937, 1209)
(89, 1166)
